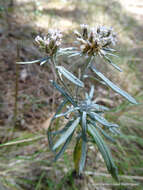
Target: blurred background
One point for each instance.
(26, 95)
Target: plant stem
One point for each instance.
(53, 65)
(83, 71)
(57, 75)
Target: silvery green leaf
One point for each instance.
(94, 78)
(70, 76)
(115, 131)
(66, 134)
(112, 54)
(91, 93)
(62, 150)
(83, 156)
(43, 62)
(62, 130)
(74, 54)
(86, 96)
(29, 62)
(65, 101)
(85, 76)
(84, 125)
(35, 61)
(77, 154)
(61, 90)
(49, 132)
(103, 52)
(104, 150)
(99, 107)
(114, 87)
(115, 66)
(103, 132)
(68, 49)
(101, 120)
(67, 112)
(109, 49)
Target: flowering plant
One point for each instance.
(83, 116)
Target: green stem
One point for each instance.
(83, 71)
(57, 75)
(53, 68)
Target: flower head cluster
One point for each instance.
(49, 43)
(96, 40)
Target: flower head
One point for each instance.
(95, 41)
(49, 43)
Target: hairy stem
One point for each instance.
(53, 65)
(83, 72)
(58, 77)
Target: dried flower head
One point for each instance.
(49, 43)
(95, 41)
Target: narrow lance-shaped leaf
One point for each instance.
(111, 54)
(61, 90)
(30, 62)
(63, 129)
(49, 132)
(110, 62)
(63, 51)
(115, 131)
(114, 87)
(70, 76)
(65, 135)
(83, 155)
(86, 95)
(99, 107)
(67, 112)
(75, 54)
(104, 151)
(102, 120)
(103, 132)
(84, 116)
(94, 78)
(77, 154)
(81, 149)
(43, 60)
(62, 150)
(91, 93)
(64, 102)
(109, 49)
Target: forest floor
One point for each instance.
(25, 159)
